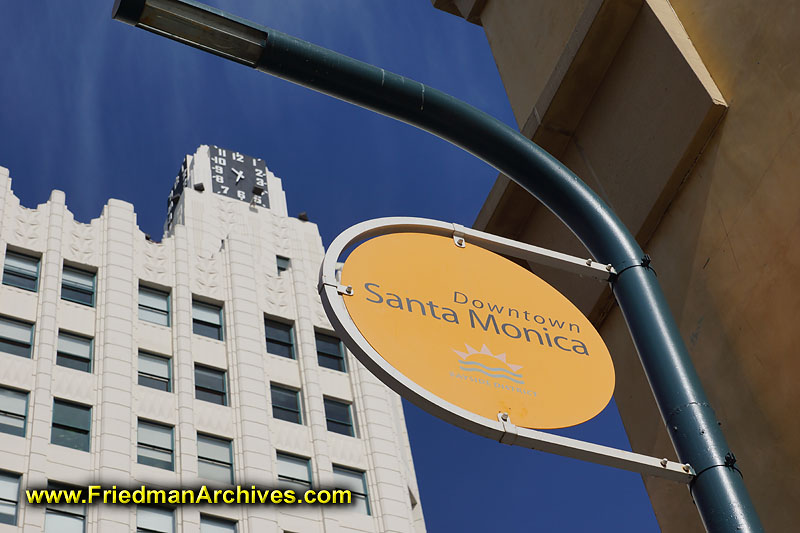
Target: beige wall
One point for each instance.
(714, 200)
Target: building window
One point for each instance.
(294, 472)
(78, 286)
(16, 337)
(214, 458)
(154, 520)
(279, 338)
(155, 371)
(155, 445)
(286, 404)
(154, 306)
(74, 351)
(283, 264)
(13, 411)
(210, 524)
(207, 320)
(21, 271)
(356, 482)
(9, 497)
(63, 517)
(209, 385)
(330, 353)
(71, 423)
(338, 417)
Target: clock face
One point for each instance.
(238, 176)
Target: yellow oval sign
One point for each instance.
(478, 330)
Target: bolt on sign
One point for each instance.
(474, 329)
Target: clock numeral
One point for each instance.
(236, 156)
(260, 173)
(223, 189)
(218, 178)
(222, 152)
(219, 160)
(260, 182)
(257, 199)
(255, 162)
(218, 169)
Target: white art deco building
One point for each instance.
(203, 359)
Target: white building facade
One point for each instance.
(205, 359)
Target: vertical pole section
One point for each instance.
(718, 490)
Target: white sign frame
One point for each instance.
(503, 430)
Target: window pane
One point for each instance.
(154, 299)
(355, 482)
(12, 425)
(348, 479)
(16, 331)
(8, 513)
(209, 379)
(154, 519)
(60, 523)
(78, 278)
(71, 415)
(14, 348)
(76, 295)
(328, 361)
(155, 435)
(12, 401)
(70, 438)
(213, 525)
(156, 317)
(214, 448)
(337, 411)
(217, 472)
(156, 458)
(154, 365)
(207, 330)
(342, 429)
(21, 271)
(328, 345)
(278, 331)
(9, 497)
(13, 405)
(206, 313)
(71, 425)
(22, 263)
(211, 396)
(293, 467)
(74, 345)
(285, 398)
(154, 383)
(17, 280)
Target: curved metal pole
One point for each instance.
(718, 490)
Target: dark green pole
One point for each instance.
(718, 489)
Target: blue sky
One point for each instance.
(102, 110)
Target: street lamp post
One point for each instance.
(718, 489)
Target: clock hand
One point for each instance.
(239, 174)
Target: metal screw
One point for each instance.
(460, 242)
(349, 290)
(664, 462)
(608, 267)
(687, 468)
(588, 262)
(504, 416)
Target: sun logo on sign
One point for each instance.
(507, 371)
